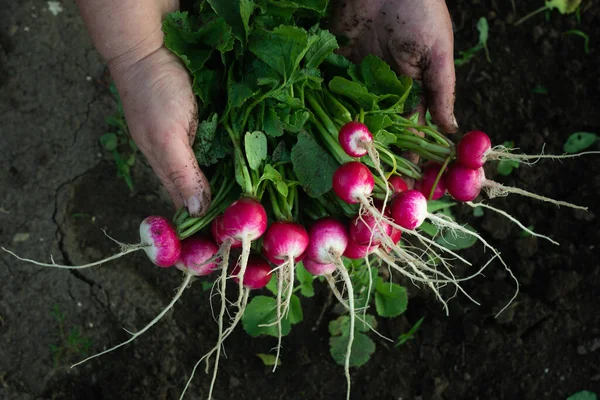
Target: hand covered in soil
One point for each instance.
(162, 115)
(155, 89)
(415, 37)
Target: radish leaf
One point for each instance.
(390, 299)
(579, 141)
(313, 166)
(256, 149)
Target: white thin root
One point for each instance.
(221, 317)
(186, 282)
(454, 226)
(495, 189)
(348, 283)
(126, 250)
(343, 302)
(505, 153)
(513, 219)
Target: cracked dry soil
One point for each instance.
(57, 191)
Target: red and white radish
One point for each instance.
(475, 148)
(158, 239)
(399, 185)
(328, 239)
(198, 256)
(465, 184)
(318, 269)
(364, 230)
(425, 184)
(284, 241)
(255, 276)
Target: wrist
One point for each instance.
(126, 31)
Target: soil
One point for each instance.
(59, 189)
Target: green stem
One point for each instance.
(275, 204)
(438, 177)
(420, 151)
(531, 14)
(431, 147)
(325, 120)
(240, 160)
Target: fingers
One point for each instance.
(174, 163)
(439, 77)
(439, 81)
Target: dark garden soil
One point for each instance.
(58, 189)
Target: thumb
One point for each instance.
(439, 81)
(175, 165)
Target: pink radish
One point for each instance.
(198, 256)
(357, 141)
(472, 149)
(475, 148)
(398, 184)
(284, 241)
(365, 230)
(465, 184)
(244, 220)
(318, 269)
(353, 182)
(355, 138)
(409, 209)
(355, 251)
(425, 184)
(328, 239)
(158, 239)
(258, 273)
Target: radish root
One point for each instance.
(186, 282)
(513, 219)
(495, 189)
(125, 249)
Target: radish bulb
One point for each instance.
(158, 239)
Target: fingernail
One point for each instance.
(454, 123)
(193, 205)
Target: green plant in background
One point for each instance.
(586, 38)
(506, 167)
(72, 343)
(563, 6)
(465, 57)
(118, 142)
(579, 141)
(410, 335)
(583, 395)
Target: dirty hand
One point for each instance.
(415, 37)
(155, 89)
(162, 115)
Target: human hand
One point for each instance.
(415, 37)
(162, 115)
